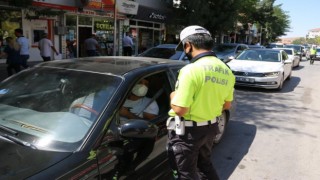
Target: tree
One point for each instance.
(278, 25)
(216, 15)
(299, 41)
(222, 16)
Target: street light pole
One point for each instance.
(115, 28)
(260, 35)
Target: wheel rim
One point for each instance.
(222, 127)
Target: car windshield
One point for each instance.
(296, 48)
(275, 46)
(288, 51)
(224, 48)
(166, 53)
(259, 55)
(54, 105)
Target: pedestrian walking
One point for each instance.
(45, 46)
(71, 49)
(127, 44)
(11, 52)
(204, 88)
(92, 46)
(23, 47)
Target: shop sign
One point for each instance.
(100, 25)
(73, 5)
(157, 16)
(127, 7)
(100, 4)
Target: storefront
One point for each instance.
(10, 19)
(148, 28)
(82, 26)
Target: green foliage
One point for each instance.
(222, 16)
(299, 41)
(20, 3)
(278, 25)
(315, 40)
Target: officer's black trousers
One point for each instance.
(190, 155)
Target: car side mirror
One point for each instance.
(230, 58)
(288, 61)
(137, 128)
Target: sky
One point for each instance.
(304, 16)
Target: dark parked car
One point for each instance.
(61, 120)
(256, 47)
(227, 51)
(165, 51)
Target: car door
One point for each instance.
(144, 158)
(287, 64)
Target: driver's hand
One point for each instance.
(125, 112)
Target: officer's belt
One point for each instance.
(191, 123)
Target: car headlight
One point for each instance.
(272, 74)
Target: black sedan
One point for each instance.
(61, 120)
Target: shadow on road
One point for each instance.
(232, 149)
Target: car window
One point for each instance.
(55, 105)
(166, 53)
(137, 152)
(288, 51)
(284, 56)
(155, 101)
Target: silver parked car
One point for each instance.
(292, 55)
(263, 68)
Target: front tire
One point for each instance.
(222, 123)
(281, 83)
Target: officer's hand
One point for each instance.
(172, 94)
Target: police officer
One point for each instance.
(203, 89)
(313, 54)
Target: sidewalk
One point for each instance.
(3, 69)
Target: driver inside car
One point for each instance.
(137, 105)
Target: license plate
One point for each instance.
(243, 79)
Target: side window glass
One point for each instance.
(147, 99)
(284, 56)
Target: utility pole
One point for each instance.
(115, 28)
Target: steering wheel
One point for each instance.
(85, 107)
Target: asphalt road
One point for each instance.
(275, 134)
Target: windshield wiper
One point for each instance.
(4, 128)
(18, 141)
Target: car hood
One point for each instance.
(255, 66)
(21, 162)
(223, 55)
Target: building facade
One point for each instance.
(313, 33)
(77, 20)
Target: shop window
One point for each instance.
(145, 24)
(9, 21)
(71, 20)
(84, 20)
(104, 32)
(133, 22)
(157, 25)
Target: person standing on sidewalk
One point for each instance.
(204, 88)
(45, 46)
(23, 47)
(127, 44)
(11, 52)
(92, 46)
